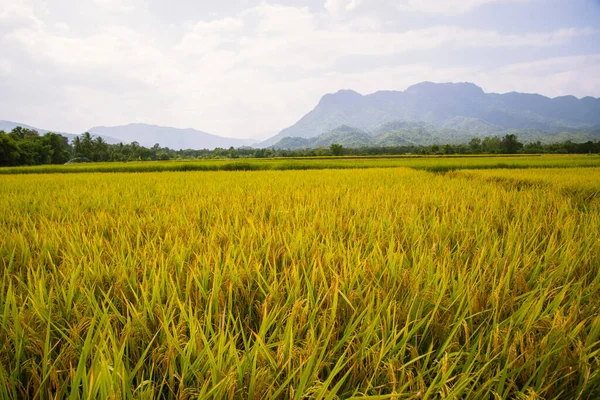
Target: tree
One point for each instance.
(76, 146)
(436, 149)
(9, 150)
(135, 150)
(448, 149)
(58, 148)
(83, 146)
(20, 133)
(99, 149)
(475, 145)
(490, 145)
(510, 145)
(336, 149)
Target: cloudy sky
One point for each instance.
(245, 68)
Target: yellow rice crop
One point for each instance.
(389, 283)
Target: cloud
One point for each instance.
(17, 14)
(446, 7)
(443, 7)
(205, 36)
(249, 71)
(576, 75)
(116, 6)
(218, 26)
(303, 45)
(274, 19)
(336, 7)
(5, 68)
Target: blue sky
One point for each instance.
(245, 68)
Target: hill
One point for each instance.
(448, 108)
(401, 133)
(8, 126)
(173, 138)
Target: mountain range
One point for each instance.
(148, 136)
(173, 138)
(7, 126)
(423, 134)
(425, 113)
(442, 112)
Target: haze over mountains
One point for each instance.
(173, 138)
(148, 135)
(441, 112)
(423, 114)
(8, 126)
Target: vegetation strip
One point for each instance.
(433, 164)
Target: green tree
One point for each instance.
(135, 151)
(10, 153)
(83, 146)
(475, 145)
(510, 144)
(76, 146)
(58, 147)
(436, 149)
(490, 145)
(20, 133)
(336, 149)
(99, 149)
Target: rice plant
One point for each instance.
(360, 283)
(428, 163)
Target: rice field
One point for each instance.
(380, 283)
(428, 163)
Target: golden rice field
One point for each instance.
(374, 283)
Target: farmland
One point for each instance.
(398, 278)
(428, 163)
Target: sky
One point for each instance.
(245, 68)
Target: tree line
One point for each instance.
(24, 146)
(509, 144)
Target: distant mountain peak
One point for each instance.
(431, 88)
(174, 138)
(461, 107)
(343, 97)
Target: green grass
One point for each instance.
(370, 283)
(437, 164)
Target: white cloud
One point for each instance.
(557, 76)
(276, 19)
(336, 7)
(443, 7)
(18, 13)
(448, 7)
(206, 36)
(5, 68)
(61, 27)
(246, 72)
(218, 26)
(117, 6)
(318, 49)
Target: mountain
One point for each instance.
(408, 133)
(148, 136)
(8, 126)
(173, 138)
(453, 107)
(344, 135)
